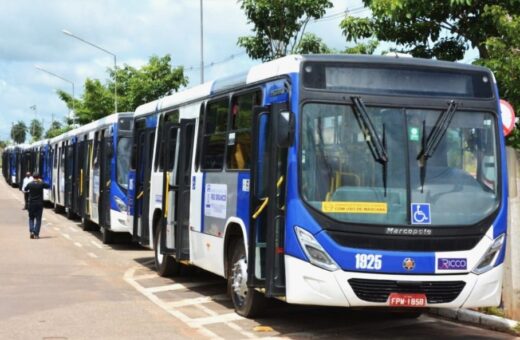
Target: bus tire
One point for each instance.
(247, 301)
(107, 236)
(86, 225)
(165, 265)
(69, 213)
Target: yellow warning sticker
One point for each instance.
(355, 207)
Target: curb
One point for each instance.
(492, 322)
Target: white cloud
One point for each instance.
(30, 33)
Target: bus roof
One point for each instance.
(287, 65)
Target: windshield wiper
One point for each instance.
(430, 144)
(376, 146)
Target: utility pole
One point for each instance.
(201, 44)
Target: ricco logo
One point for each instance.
(452, 264)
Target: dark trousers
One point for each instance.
(26, 196)
(35, 218)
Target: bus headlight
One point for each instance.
(487, 261)
(314, 251)
(120, 204)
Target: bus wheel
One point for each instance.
(247, 301)
(107, 236)
(165, 265)
(69, 213)
(86, 225)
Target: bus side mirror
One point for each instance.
(284, 129)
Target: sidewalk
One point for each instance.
(53, 288)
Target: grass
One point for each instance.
(493, 311)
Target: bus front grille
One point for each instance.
(379, 290)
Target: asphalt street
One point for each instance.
(68, 285)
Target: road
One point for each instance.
(68, 285)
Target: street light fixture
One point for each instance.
(70, 34)
(66, 80)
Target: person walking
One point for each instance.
(27, 179)
(35, 204)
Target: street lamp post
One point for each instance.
(70, 34)
(201, 44)
(66, 80)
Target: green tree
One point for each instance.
(278, 25)
(312, 44)
(504, 60)
(442, 29)
(36, 130)
(368, 47)
(134, 87)
(18, 132)
(55, 129)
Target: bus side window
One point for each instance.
(239, 145)
(214, 141)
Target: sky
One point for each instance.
(31, 35)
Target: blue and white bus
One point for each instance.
(39, 160)
(332, 180)
(9, 164)
(91, 165)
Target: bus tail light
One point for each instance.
(487, 261)
(314, 251)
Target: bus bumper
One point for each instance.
(118, 222)
(308, 284)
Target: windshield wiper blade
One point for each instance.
(439, 129)
(430, 143)
(376, 146)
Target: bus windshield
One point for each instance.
(342, 179)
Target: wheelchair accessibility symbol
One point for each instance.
(421, 213)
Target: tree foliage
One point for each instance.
(504, 60)
(18, 132)
(279, 26)
(312, 44)
(134, 87)
(57, 129)
(36, 130)
(442, 29)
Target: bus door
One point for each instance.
(145, 141)
(87, 161)
(267, 200)
(107, 153)
(69, 174)
(177, 188)
(79, 169)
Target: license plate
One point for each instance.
(407, 300)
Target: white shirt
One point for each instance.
(26, 180)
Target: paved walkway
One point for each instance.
(66, 286)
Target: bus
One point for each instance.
(38, 159)
(91, 165)
(9, 157)
(353, 181)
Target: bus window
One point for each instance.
(239, 137)
(215, 135)
(169, 118)
(124, 146)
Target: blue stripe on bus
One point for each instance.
(391, 261)
(243, 190)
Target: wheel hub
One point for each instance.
(239, 278)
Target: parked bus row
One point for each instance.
(326, 180)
